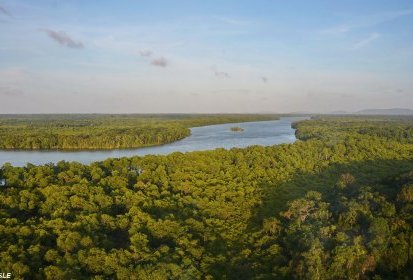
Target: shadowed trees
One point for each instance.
(309, 210)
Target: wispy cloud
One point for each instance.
(160, 62)
(337, 30)
(4, 11)
(366, 41)
(393, 15)
(234, 21)
(145, 53)
(367, 21)
(8, 91)
(220, 74)
(63, 39)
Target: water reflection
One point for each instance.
(264, 133)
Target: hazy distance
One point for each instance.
(205, 56)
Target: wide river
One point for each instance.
(265, 133)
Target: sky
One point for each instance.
(205, 56)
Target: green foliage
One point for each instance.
(337, 208)
(74, 132)
(333, 129)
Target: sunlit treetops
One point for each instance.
(338, 205)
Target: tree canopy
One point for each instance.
(81, 132)
(337, 205)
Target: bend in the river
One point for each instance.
(210, 137)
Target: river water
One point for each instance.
(265, 133)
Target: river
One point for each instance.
(265, 133)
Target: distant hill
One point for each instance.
(339, 113)
(392, 111)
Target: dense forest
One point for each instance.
(338, 204)
(398, 128)
(74, 132)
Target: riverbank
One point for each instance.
(210, 137)
(105, 132)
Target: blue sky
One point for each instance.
(205, 56)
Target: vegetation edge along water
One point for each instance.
(336, 205)
(100, 132)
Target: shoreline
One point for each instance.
(282, 133)
(128, 148)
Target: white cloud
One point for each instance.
(366, 41)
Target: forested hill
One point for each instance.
(82, 132)
(338, 205)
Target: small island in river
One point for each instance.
(237, 129)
